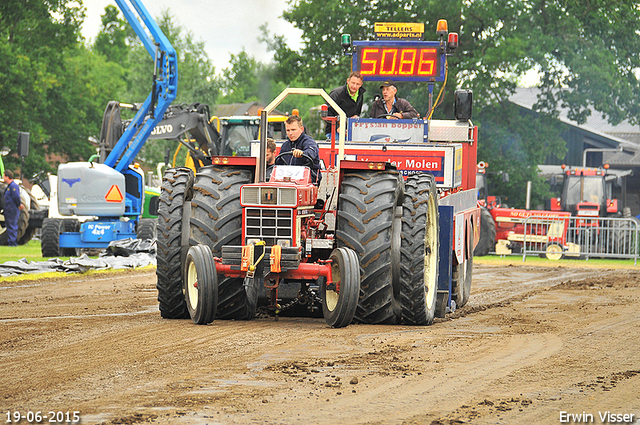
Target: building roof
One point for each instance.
(527, 97)
(624, 135)
(237, 109)
(229, 109)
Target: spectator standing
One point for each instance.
(12, 207)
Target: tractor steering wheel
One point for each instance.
(304, 155)
(388, 116)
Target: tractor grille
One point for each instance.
(268, 224)
(250, 195)
(256, 195)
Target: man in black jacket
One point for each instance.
(392, 106)
(298, 143)
(349, 97)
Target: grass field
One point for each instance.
(600, 263)
(29, 251)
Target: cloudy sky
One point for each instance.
(225, 26)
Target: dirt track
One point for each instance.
(532, 343)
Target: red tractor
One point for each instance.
(388, 236)
(586, 192)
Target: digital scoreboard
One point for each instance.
(399, 60)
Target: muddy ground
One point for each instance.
(532, 343)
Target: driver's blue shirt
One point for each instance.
(310, 148)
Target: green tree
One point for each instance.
(246, 80)
(196, 74)
(87, 84)
(36, 38)
(111, 41)
(197, 82)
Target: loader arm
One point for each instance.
(163, 92)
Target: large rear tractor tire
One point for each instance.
(419, 250)
(339, 301)
(177, 189)
(487, 242)
(366, 224)
(216, 221)
(50, 245)
(201, 285)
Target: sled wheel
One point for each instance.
(553, 251)
(201, 285)
(487, 242)
(339, 305)
(461, 282)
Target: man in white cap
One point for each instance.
(391, 106)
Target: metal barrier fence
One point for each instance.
(580, 237)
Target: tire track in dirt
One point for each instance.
(118, 362)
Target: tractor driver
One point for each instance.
(298, 143)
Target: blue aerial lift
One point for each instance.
(113, 191)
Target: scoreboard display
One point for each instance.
(399, 60)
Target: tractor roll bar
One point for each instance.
(282, 96)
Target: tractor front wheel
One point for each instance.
(340, 299)
(201, 285)
(216, 221)
(147, 228)
(554, 251)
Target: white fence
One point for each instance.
(581, 237)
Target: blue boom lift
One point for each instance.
(113, 192)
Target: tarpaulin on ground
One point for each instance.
(122, 254)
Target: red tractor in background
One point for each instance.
(586, 192)
(387, 237)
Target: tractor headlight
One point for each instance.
(285, 243)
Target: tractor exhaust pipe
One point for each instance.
(262, 163)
